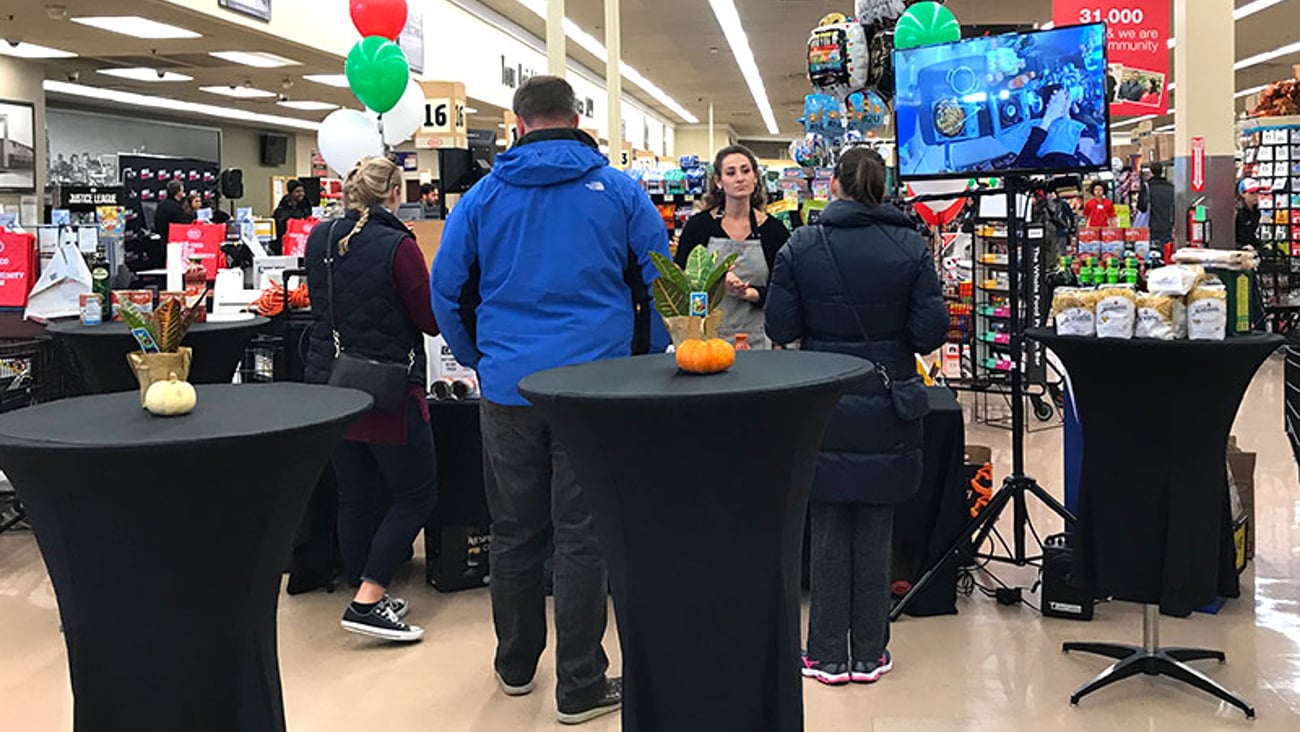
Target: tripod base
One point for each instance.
(1151, 660)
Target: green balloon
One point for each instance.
(378, 73)
(925, 24)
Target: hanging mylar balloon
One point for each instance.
(865, 111)
(925, 24)
(838, 57)
(384, 18)
(821, 116)
(378, 72)
(404, 120)
(882, 63)
(347, 137)
(940, 212)
(879, 13)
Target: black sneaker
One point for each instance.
(869, 672)
(611, 700)
(510, 689)
(398, 604)
(381, 622)
(831, 674)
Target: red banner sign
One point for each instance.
(201, 240)
(1137, 33)
(295, 236)
(1198, 164)
(18, 264)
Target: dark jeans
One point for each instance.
(532, 492)
(850, 581)
(386, 493)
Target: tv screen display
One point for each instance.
(1016, 103)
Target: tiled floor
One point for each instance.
(987, 669)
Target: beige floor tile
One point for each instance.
(989, 669)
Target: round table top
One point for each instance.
(1049, 336)
(657, 378)
(225, 411)
(76, 328)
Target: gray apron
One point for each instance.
(741, 316)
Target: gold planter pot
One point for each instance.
(153, 367)
(686, 327)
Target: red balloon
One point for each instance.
(384, 18)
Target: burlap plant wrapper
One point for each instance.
(150, 368)
(686, 327)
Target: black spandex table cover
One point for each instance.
(1154, 517)
(101, 351)
(165, 539)
(698, 486)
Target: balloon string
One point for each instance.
(387, 148)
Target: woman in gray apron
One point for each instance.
(733, 218)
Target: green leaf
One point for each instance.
(674, 279)
(698, 266)
(169, 316)
(669, 302)
(191, 315)
(133, 318)
(716, 293)
(719, 273)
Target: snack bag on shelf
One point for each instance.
(1207, 312)
(1074, 311)
(1139, 240)
(1090, 241)
(1160, 317)
(1116, 311)
(1112, 242)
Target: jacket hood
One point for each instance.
(852, 214)
(549, 157)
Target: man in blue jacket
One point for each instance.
(545, 263)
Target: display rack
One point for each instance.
(1270, 149)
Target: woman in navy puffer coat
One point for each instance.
(870, 458)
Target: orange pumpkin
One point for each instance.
(705, 357)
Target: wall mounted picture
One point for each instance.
(260, 9)
(17, 146)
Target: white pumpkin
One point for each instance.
(170, 398)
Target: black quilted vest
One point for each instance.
(371, 318)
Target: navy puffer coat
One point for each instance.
(868, 455)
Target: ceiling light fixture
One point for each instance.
(140, 73)
(256, 59)
(587, 42)
(136, 27)
(238, 92)
(175, 105)
(338, 81)
(729, 19)
(307, 106)
(31, 50)
(1261, 58)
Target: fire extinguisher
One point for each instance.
(1198, 224)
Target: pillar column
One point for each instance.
(555, 42)
(613, 74)
(1204, 54)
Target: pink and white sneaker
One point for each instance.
(869, 672)
(831, 674)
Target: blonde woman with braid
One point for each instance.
(379, 303)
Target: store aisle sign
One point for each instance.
(444, 124)
(1198, 164)
(1137, 33)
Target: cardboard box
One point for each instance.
(1241, 465)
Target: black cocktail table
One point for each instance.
(698, 486)
(165, 539)
(1154, 516)
(101, 351)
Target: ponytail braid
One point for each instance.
(361, 224)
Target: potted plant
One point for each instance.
(689, 300)
(161, 358)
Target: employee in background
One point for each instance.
(386, 466)
(293, 205)
(173, 210)
(733, 219)
(1156, 200)
(861, 283)
(1099, 211)
(430, 201)
(505, 275)
(1248, 213)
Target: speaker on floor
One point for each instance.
(232, 183)
(1063, 596)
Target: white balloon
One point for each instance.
(403, 121)
(347, 137)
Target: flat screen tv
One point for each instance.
(1020, 103)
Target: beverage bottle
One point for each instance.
(1112, 273)
(101, 284)
(1085, 275)
(196, 283)
(742, 342)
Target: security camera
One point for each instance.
(14, 41)
(161, 73)
(286, 83)
(283, 98)
(73, 77)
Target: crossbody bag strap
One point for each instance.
(329, 285)
(844, 293)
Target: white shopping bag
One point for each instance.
(57, 293)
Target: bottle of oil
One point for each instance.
(101, 284)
